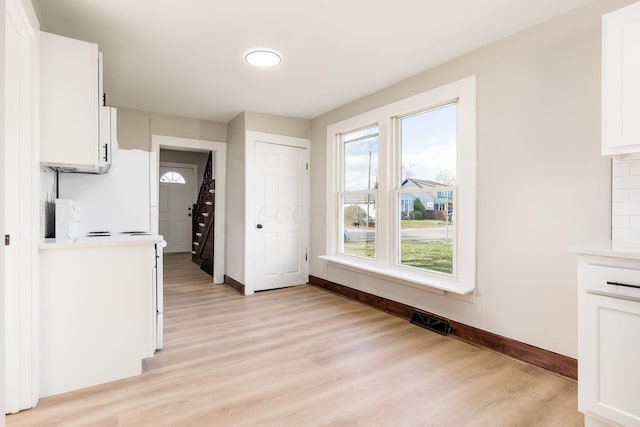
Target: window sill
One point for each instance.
(428, 283)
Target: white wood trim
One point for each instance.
(219, 174)
(251, 138)
(21, 298)
(464, 92)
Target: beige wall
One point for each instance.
(136, 127)
(279, 125)
(542, 184)
(235, 254)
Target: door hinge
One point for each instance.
(7, 239)
(305, 256)
(307, 166)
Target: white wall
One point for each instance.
(542, 184)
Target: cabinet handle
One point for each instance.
(106, 153)
(626, 285)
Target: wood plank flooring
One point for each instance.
(304, 357)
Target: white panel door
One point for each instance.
(176, 199)
(19, 172)
(281, 216)
(13, 297)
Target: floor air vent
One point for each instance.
(432, 323)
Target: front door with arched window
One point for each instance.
(175, 203)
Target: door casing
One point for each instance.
(219, 174)
(251, 139)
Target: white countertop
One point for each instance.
(96, 242)
(628, 250)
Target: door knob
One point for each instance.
(259, 226)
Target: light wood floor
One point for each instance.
(304, 357)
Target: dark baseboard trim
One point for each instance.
(557, 363)
(234, 284)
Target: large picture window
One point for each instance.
(401, 185)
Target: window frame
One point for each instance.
(386, 263)
(173, 179)
(342, 192)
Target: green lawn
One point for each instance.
(424, 223)
(430, 255)
(365, 249)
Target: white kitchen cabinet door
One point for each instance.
(70, 79)
(621, 81)
(608, 375)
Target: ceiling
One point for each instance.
(186, 58)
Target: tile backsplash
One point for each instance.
(625, 200)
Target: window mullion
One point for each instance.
(395, 168)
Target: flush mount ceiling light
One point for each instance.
(263, 58)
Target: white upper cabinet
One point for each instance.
(621, 81)
(71, 106)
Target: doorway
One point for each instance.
(188, 146)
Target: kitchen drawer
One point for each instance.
(594, 277)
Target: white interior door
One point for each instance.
(21, 215)
(176, 197)
(281, 220)
(13, 299)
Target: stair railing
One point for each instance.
(200, 206)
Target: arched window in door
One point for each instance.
(172, 177)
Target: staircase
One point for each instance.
(202, 222)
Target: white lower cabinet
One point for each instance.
(609, 341)
(97, 314)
